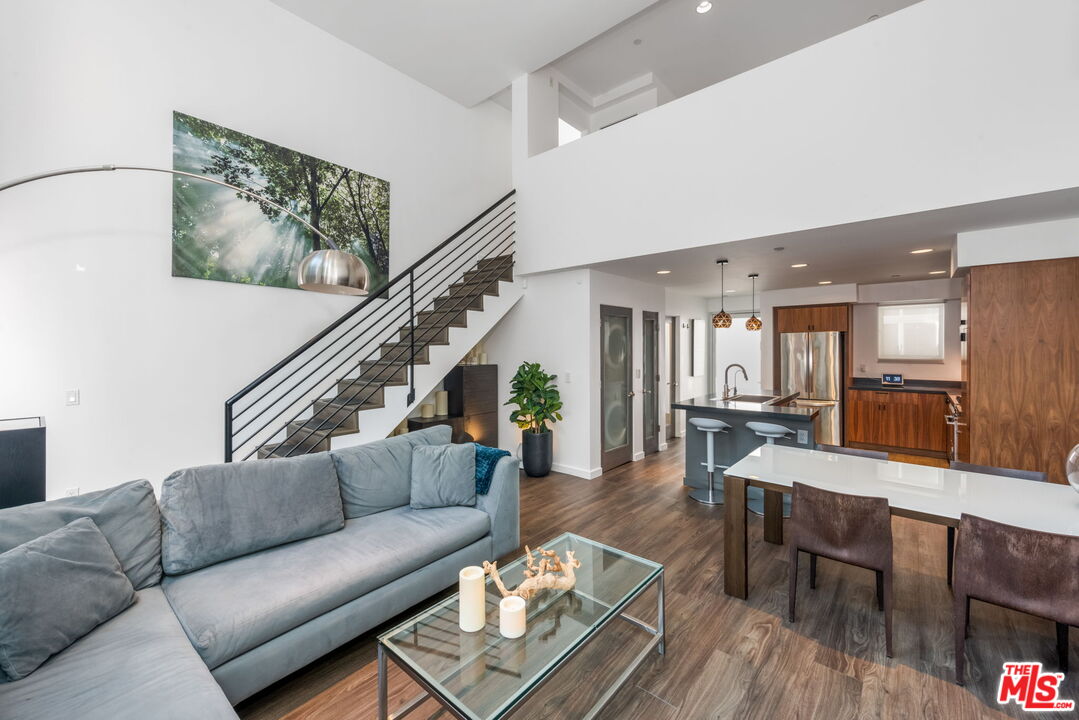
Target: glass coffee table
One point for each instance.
(483, 676)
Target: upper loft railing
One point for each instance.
(265, 411)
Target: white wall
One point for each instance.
(865, 329)
(686, 307)
(1018, 243)
(155, 356)
(550, 325)
(557, 324)
(919, 110)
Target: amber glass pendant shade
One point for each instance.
(754, 322)
(722, 319)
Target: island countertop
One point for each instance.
(771, 409)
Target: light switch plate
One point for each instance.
(71, 397)
(71, 492)
(803, 437)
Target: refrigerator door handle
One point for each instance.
(809, 366)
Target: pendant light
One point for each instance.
(754, 322)
(721, 319)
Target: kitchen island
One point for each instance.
(739, 441)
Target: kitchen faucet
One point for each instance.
(726, 380)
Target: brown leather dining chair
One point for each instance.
(1032, 475)
(847, 528)
(1026, 570)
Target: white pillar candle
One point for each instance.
(442, 403)
(427, 410)
(511, 617)
(472, 610)
(483, 358)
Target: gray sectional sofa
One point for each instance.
(249, 571)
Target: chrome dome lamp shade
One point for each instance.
(333, 271)
(329, 271)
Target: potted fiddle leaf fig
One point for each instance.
(538, 403)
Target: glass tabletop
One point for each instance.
(485, 674)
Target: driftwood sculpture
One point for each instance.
(542, 575)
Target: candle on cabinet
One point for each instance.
(442, 403)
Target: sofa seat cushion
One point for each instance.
(137, 666)
(232, 607)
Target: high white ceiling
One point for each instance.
(870, 252)
(466, 49)
(688, 51)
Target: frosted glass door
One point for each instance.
(616, 385)
(650, 380)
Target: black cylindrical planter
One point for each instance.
(537, 453)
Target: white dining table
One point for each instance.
(930, 494)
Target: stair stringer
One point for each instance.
(377, 423)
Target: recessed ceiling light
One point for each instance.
(704, 7)
(937, 272)
(779, 249)
(637, 41)
(921, 251)
(800, 265)
(663, 272)
(825, 282)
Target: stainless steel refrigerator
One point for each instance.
(811, 364)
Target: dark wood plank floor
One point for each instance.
(727, 658)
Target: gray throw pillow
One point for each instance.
(126, 515)
(218, 512)
(377, 476)
(54, 590)
(443, 476)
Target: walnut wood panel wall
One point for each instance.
(1024, 364)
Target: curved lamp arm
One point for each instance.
(332, 271)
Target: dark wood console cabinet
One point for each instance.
(473, 405)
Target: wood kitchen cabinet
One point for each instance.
(902, 420)
(812, 318)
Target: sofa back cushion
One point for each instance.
(127, 515)
(217, 512)
(55, 589)
(443, 476)
(378, 476)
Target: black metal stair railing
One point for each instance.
(346, 351)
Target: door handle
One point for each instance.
(631, 394)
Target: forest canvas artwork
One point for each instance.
(221, 234)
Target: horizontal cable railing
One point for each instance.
(349, 351)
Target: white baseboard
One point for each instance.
(663, 446)
(577, 472)
(638, 456)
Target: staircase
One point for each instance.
(357, 379)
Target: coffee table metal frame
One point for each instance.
(430, 691)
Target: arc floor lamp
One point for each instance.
(330, 270)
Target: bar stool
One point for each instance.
(709, 427)
(754, 495)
